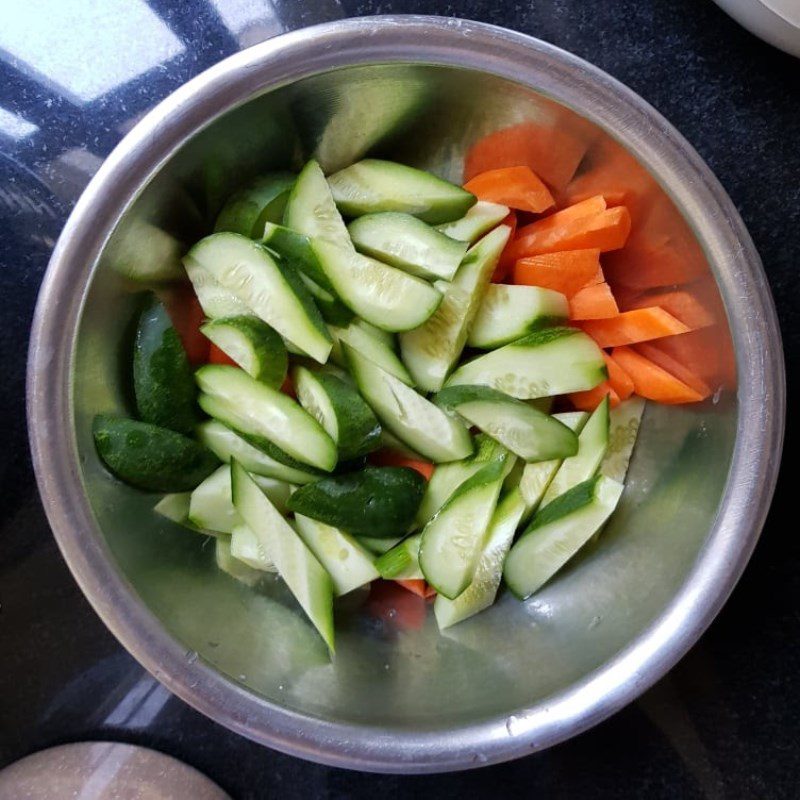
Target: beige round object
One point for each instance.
(104, 771)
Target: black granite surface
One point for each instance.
(722, 724)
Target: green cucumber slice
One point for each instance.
(253, 345)
(417, 422)
(341, 411)
(348, 563)
(379, 546)
(387, 337)
(592, 446)
(402, 561)
(175, 507)
(261, 201)
(379, 502)
(151, 458)
(166, 394)
(215, 300)
(333, 310)
(258, 412)
(544, 363)
(211, 504)
(159, 262)
(480, 219)
(272, 289)
(508, 313)
(382, 295)
(246, 547)
(237, 569)
(431, 351)
(390, 442)
(226, 444)
(407, 243)
(452, 541)
(296, 564)
(623, 430)
(373, 185)
(518, 426)
(371, 347)
(311, 210)
(296, 249)
(557, 532)
(481, 592)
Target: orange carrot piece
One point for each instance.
(566, 272)
(396, 606)
(605, 231)
(675, 368)
(418, 587)
(683, 304)
(593, 302)
(515, 187)
(187, 316)
(217, 356)
(651, 381)
(618, 379)
(631, 327)
(586, 208)
(391, 458)
(504, 263)
(591, 398)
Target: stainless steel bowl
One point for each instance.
(519, 677)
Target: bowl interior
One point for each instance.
(400, 672)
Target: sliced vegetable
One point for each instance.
(624, 422)
(402, 561)
(544, 363)
(215, 300)
(333, 310)
(149, 457)
(515, 187)
(247, 548)
(431, 351)
(684, 304)
(379, 546)
(591, 398)
(372, 185)
(211, 504)
(379, 502)
(372, 347)
(187, 316)
(618, 379)
(232, 566)
(505, 265)
(507, 313)
(414, 420)
(651, 381)
(175, 507)
(566, 272)
(480, 219)
(674, 367)
(391, 458)
(631, 327)
(589, 207)
(557, 532)
(418, 587)
(593, 302)
(296, 249)
(260, 202)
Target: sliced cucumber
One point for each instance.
(165, 390)
(379, 546)
(379, 502)
(233, 566)
(246, 547)
(272, 289)
(592, 446)
(211, 504)
(508, 313)
(547, 362)
(431, 351)
(348, 563)
(481, 593)
(333, 310)
(382, 295)
(296, 564)
(257, 412)
(296, 249)
(536, 477)
(372, 185)
(480, 219)
(402, 561)
(341, 411)
(261, 201)
(387, 337)
(311, 210)
(390, 442)
(226, 444)
(452, 541)
(372, 347)
(253, 345)
(623, 430)
(417, 422)
(407, 243)
(214, 299)
(518, 426)
(149, 457)
(557, 532)
(175, 507)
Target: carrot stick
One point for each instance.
(631, 327)
(606, 231)
(418, 587)
(683, 304)
(390, 458)
(515, 187)
(217, 356)
(566, 272)
(505, 264)
(187, 316)
(593, 302)
(586, 208)
(651, 381)
(618, 379)
(591, 398)
(395, 607)
(675, 368)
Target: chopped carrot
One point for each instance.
(417, 587)
(391, 458)
(504, 263)
(651, 261)
(631, 327)
(515, 187)
(594, 301)
(287, 387)
(591, 398)
(707, 352)
(396, 606)
(683, 304)
(218, 356)
(675, 368)
(566, 272)
(618, 379)
(187, 316)
(605, 231)
(586, 208)
(651, 381)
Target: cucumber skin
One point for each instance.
(378, 502)
(251, 207)
(163, 382)
(296, 249)
(149, 457)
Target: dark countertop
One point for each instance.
(722, 724)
